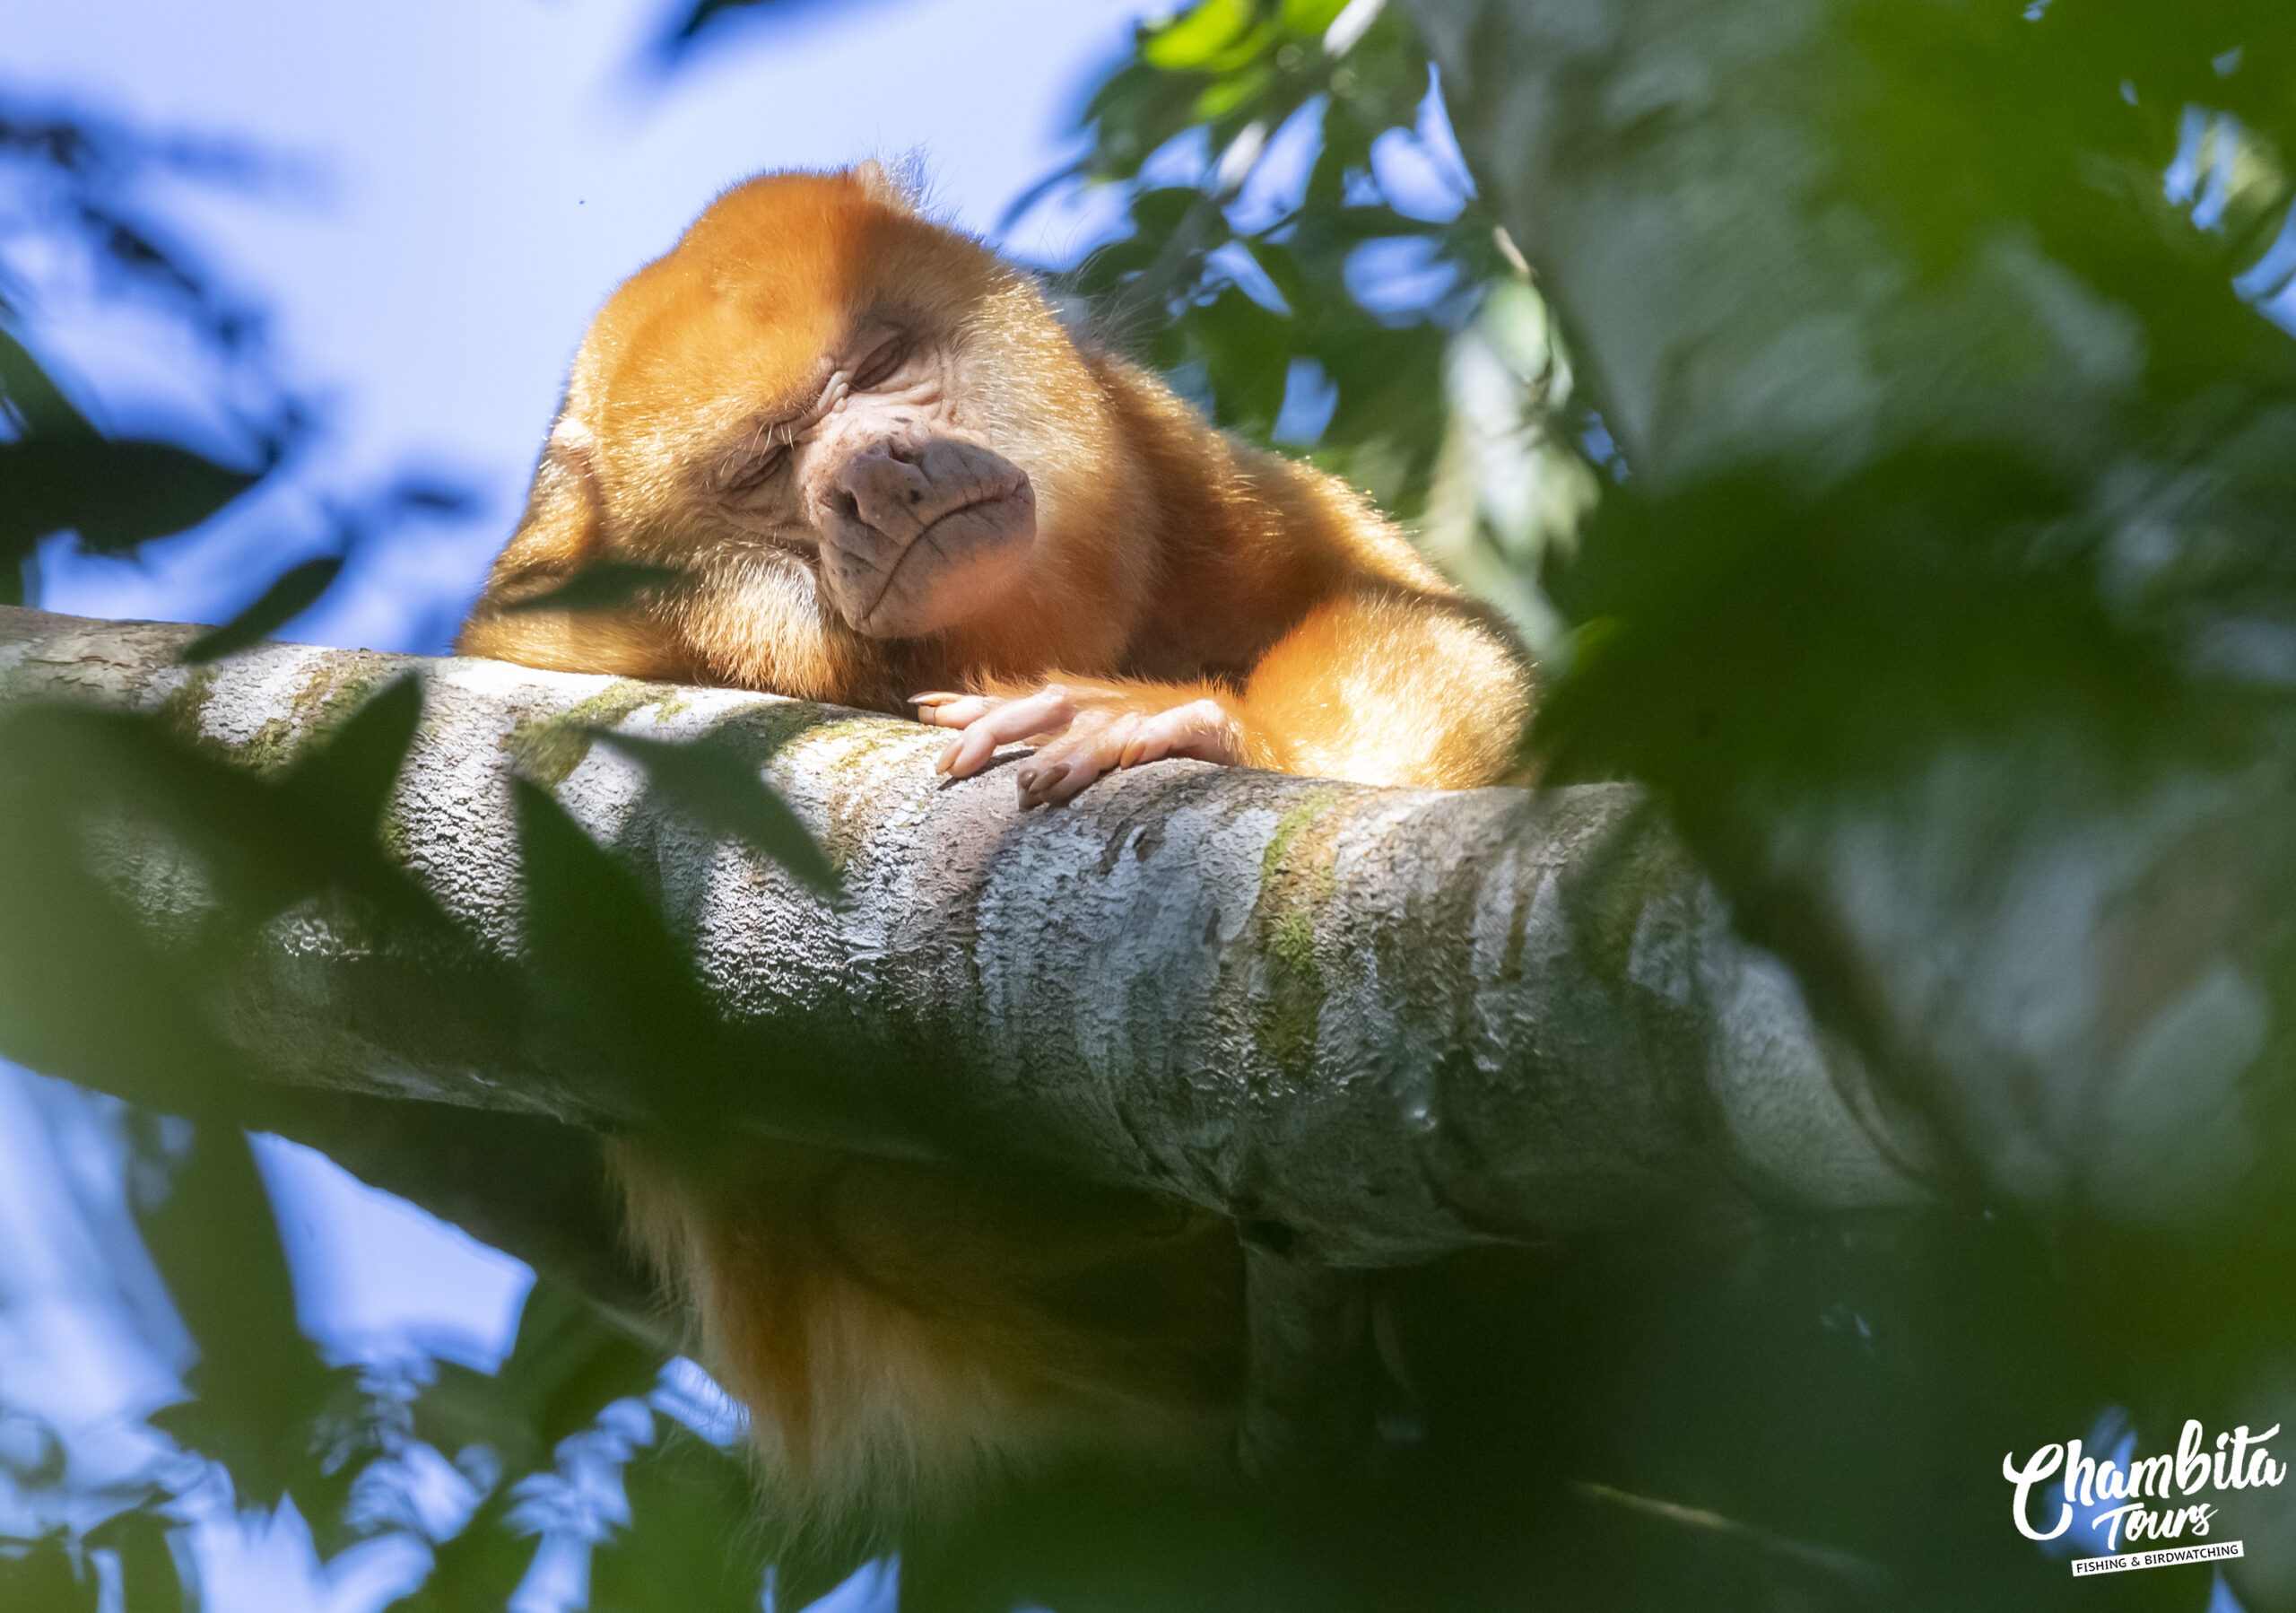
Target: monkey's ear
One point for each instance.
(878, 184)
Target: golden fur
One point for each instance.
(898, 1331)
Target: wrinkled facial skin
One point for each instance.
(920, 524)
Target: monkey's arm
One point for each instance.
(557, 537)
(621, 642)
(1377, 686)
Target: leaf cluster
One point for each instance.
(2067, 467)
(78, 184)
(1239, 137)
(1967, 438)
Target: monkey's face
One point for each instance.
(916, 521)
(818, 372)
(829, 404)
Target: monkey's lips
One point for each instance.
(956, 566)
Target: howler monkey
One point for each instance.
(891, 477)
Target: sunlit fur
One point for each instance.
(898, 1333)
(904, 1335)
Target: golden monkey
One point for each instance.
(892, 477)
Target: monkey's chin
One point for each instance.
(954, 569)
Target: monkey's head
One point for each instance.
(815, 369)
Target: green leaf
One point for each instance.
(83, 984)
(151, 1579)
(40, 1576)
(82, 987)
(1247, 354)
(717, 783)
(602, 585)
(1230, 94)
(1312, 17)
(567, 1365)
(1197, 36)
(693, 1542)
(285, 599)
(477, 1570)
(259, 1387)
(30, 398)
(618, 1010)
(347, 778)
(1135, 112)
(115, 494)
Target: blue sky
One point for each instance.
(463, 182)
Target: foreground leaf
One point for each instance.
(285, 600)
(608, 585)
(713, 783)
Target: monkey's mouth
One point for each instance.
(928, 544)
(958, 564)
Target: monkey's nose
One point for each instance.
(919, 534)
(901, 486)
(883, 485)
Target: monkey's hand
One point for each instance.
(1080, 733)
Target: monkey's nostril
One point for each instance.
(848, 506)
(914, 496)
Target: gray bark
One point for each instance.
(1372, 1025)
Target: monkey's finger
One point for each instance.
(1200, 729)
(1063, 768)
(954, 710)
(1046, 711)
(1062, 780)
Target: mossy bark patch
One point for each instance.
(333, 689)
(546, 749)
(849, 750)
(1637, 863)
(183, 709)
(1296, 881)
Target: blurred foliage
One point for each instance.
(76, 184)
(357, 1452)
(295, 591)
(1867, 387)
(1947, 598)
(705, 22)
(82, 209)
(2043, 462)
(58, 474)
(92, 803)
(602, 585)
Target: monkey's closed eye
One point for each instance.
(758, 472)
(878, 368)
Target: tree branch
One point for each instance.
(1372, 1025)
